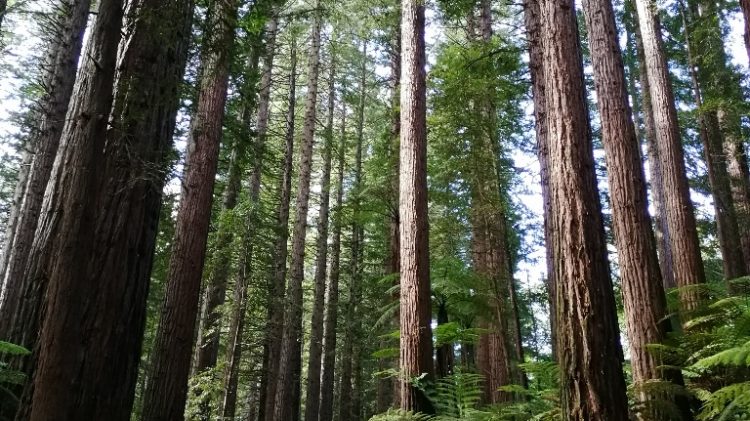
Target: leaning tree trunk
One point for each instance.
(97, 254)
(643, 292)
(331, 316)
(588, 346)
(416, 308)
(687, 262)
(167, 385)
(275, 315)
(291, 348)
(312, 401)
(237, 323)
(60, 65)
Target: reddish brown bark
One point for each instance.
(167, 386)
(687, 262)
(588, 346)
(110, 186)
(416, 308)
(291, 347)
(532, 21)
(643, 292)
(59, 65)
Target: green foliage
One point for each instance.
(10, 377)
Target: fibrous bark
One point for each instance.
(588, 346)
(167, 386)
(687, 262)
(416, 308)
(643, 292)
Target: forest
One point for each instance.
(383, 210)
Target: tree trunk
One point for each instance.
(167, 386)
(661, 229)
(745, 6)
(97, 254)
(643, 292)
(533, 23)
(589, 351)
(491, 258)
(331, 316)
(416, 308)
(687, 262)
(712, 139)
(312, 400)
(275, 315)
(59, 65)
(237, 323)
(291, 346)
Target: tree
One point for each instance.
(237, 323)
(167, 385)
(97, 256)
(291, 345)
(275, 312)
(312, 400)
(687, 262)
(643, 291)
(589, 351)
(332, 302)
(415, 312)
(59, 75)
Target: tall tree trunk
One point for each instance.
(416, 308)
(491, 257)
(588, 346)
(661, 229)
(291, 346)
(59, 65)
(712, 139)
(167, 386)
(533, 23)
(312, 400)
(745, 7)
(275, 315)
(687, 263)
(643, 292)
(237, 323)
(96, 255)
(207, 344)
(331, 316)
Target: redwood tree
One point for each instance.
(166, 390)
(416, 308)
(588, 346)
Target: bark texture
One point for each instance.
(291, 347)
(687, 262)
(533, 24)
(589, 351)
(643, 292)
(97, 254)
(167, 386)
(415, 308)
(59, 75)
